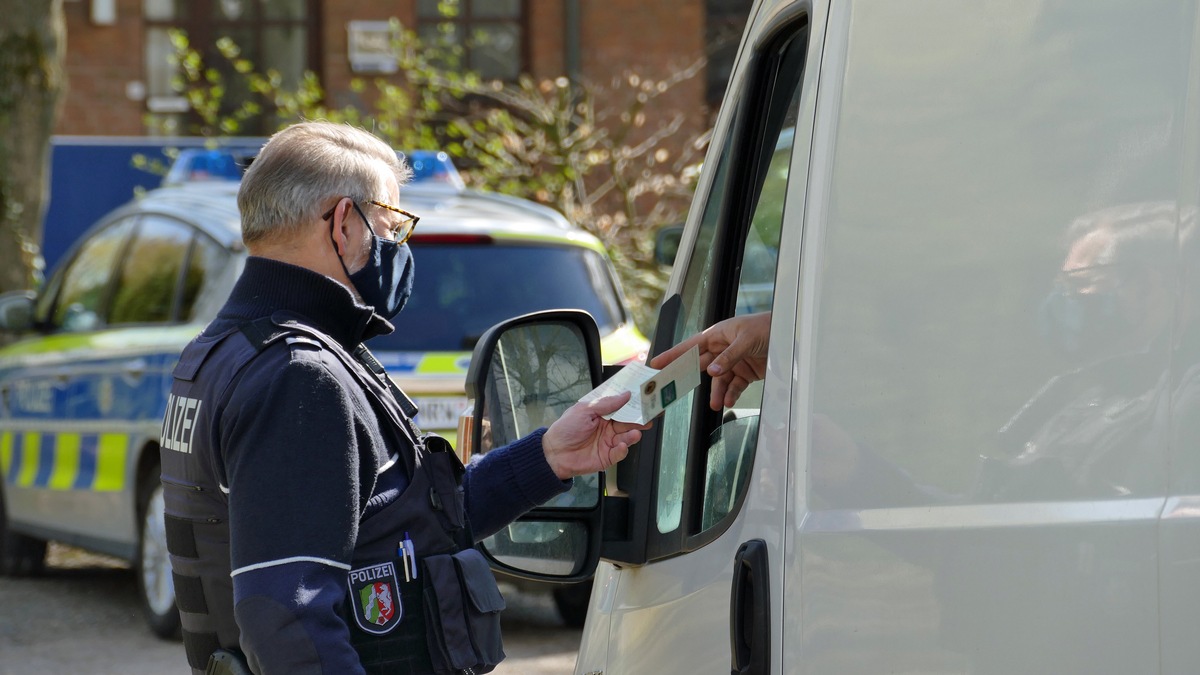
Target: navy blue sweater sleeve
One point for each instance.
(296, 628)
(291, 437)
(503, 484)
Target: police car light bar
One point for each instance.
(199, 165)
(431, 168)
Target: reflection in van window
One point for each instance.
(729, 451)
(756, 288)
(727, 473)
(1092, 426)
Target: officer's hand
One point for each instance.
(733, 352)
(582, 441)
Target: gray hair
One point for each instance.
(1143, 233)
(299, 169)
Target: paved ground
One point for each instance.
(82, 617)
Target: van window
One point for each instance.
(995, 327)
(738, 235)
(948, 380)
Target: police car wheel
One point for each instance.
(156, 589)
(20, 555)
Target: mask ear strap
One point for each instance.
(366, 223)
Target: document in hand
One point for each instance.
(653, 390)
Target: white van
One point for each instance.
(977, 445)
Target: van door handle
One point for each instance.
(750, 611)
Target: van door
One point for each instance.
(986, 333)
(1180, 531)
(715, 479)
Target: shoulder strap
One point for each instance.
(263, 332)
(195, 354)
(365, 357)
(285, 325)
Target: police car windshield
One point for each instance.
(461, 290)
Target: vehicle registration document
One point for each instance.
(653, 390)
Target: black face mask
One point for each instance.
(1084, 325)
(386, 279)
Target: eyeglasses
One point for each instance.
(401, 231)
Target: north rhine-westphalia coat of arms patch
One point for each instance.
(376, 592)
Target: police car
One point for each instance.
(83, 390)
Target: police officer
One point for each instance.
(312, 527)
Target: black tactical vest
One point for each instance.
(449, 621)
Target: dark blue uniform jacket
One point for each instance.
(302, 459)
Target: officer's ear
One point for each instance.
(343, 219)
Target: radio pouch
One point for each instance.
(462, 613)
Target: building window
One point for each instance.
(484, 36)
(278, 35)
(723, 32)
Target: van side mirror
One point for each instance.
(524, 373)
(666, 244)
(16, 311)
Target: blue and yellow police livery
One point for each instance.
(82, 396)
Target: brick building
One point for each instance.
(118, 69)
